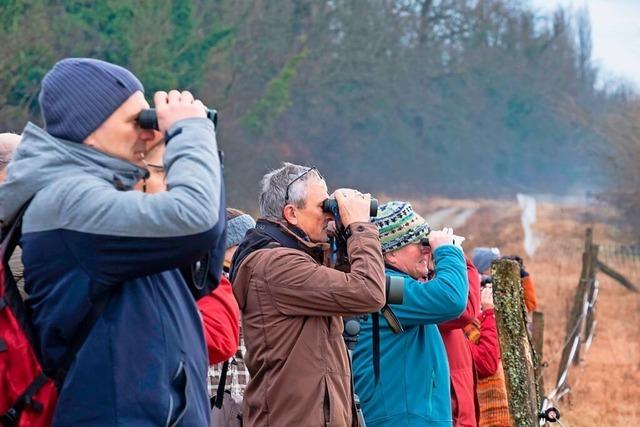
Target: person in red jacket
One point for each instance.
(463, 398)
(483, 337)
(485, 348)
(221, 322)
(220, 311)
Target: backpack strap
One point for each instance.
(12, 416)
(10, 238)
(11, 296)
(11, 234)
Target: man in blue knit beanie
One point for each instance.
(115, 324)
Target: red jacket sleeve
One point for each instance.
(220, 320)
(486, 353)
(530, 298)
(472, 311)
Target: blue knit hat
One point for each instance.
(237, 227)
(399, 225)
(79, 94)
(483, 257)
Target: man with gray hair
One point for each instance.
(8, 144)
(292, 303)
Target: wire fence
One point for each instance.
(621, 263)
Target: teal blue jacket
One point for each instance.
(413, 388)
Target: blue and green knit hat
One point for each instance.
(399, 225)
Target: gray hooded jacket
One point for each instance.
(85, 234)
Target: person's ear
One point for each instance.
(390, 258)
(90, 141)
(290, 214)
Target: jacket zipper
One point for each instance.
(431, 388)
(326, 407)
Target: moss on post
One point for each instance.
(515, 343)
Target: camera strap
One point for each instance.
(375, 321)
(221, 385)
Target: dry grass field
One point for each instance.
(606, 385)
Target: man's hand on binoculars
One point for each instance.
(444, 237)
(175, 106)
(353, 205)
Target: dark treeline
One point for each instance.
(411, 97)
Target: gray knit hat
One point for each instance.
(399, 225)
(237, 227)
(79, 94)
(483, 257)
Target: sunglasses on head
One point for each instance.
(298, 178)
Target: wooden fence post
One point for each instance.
(538, 344)
(617, 276)
(515, 343)
(592, 295)
(581, 305)
(572, 341)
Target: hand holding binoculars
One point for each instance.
(148, 119)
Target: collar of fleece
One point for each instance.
(271, 234)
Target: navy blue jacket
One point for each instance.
(84, 234)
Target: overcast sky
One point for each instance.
(615, 28)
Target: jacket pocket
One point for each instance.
(178, 403)
(432, 387)
(326, 404)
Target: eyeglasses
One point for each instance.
(160, 168)
(424, 245)
(299, 177)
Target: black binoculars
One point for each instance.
(331, 206)
(148, 119)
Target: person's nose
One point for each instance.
(147, 135)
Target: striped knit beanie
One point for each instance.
(79, 94)
(399, 225)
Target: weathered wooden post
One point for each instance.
(617, 276)
(537, 324)
(570, 352)
(591, 263)
(591, 298)
(515, 343)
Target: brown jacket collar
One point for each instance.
(312, 248)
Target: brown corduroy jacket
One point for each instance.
(291, 307)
